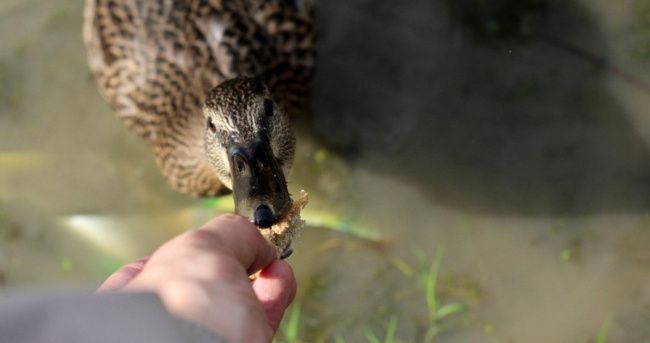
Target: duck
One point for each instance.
(211, 87)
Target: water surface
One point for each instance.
(525, 161)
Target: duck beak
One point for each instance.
(258, 183)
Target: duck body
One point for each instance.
(205, 81)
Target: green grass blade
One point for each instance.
(372, 338)
(390, 331)
(450, 309)
(430, 286)
(403, 267)
(313, 217)
(431, 333)
(602, 334)
(290, 329)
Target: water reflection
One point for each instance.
(526, 164)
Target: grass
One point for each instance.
(426, 275)
(437, 311)
(312, 216)
(390, 332)
(289, 327)
(604, 329)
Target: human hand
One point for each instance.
(202, 276)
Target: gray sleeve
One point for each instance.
(52, 317)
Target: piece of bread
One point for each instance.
(284, 233)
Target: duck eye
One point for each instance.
(240, 165)
(268, 108)
(211, 126)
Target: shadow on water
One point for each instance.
(481, 146)
(504, 127)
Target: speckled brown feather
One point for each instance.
(155, 60)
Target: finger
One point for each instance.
(124, 275)
(243, 240)
(275, 289)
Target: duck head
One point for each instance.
(250, 144)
